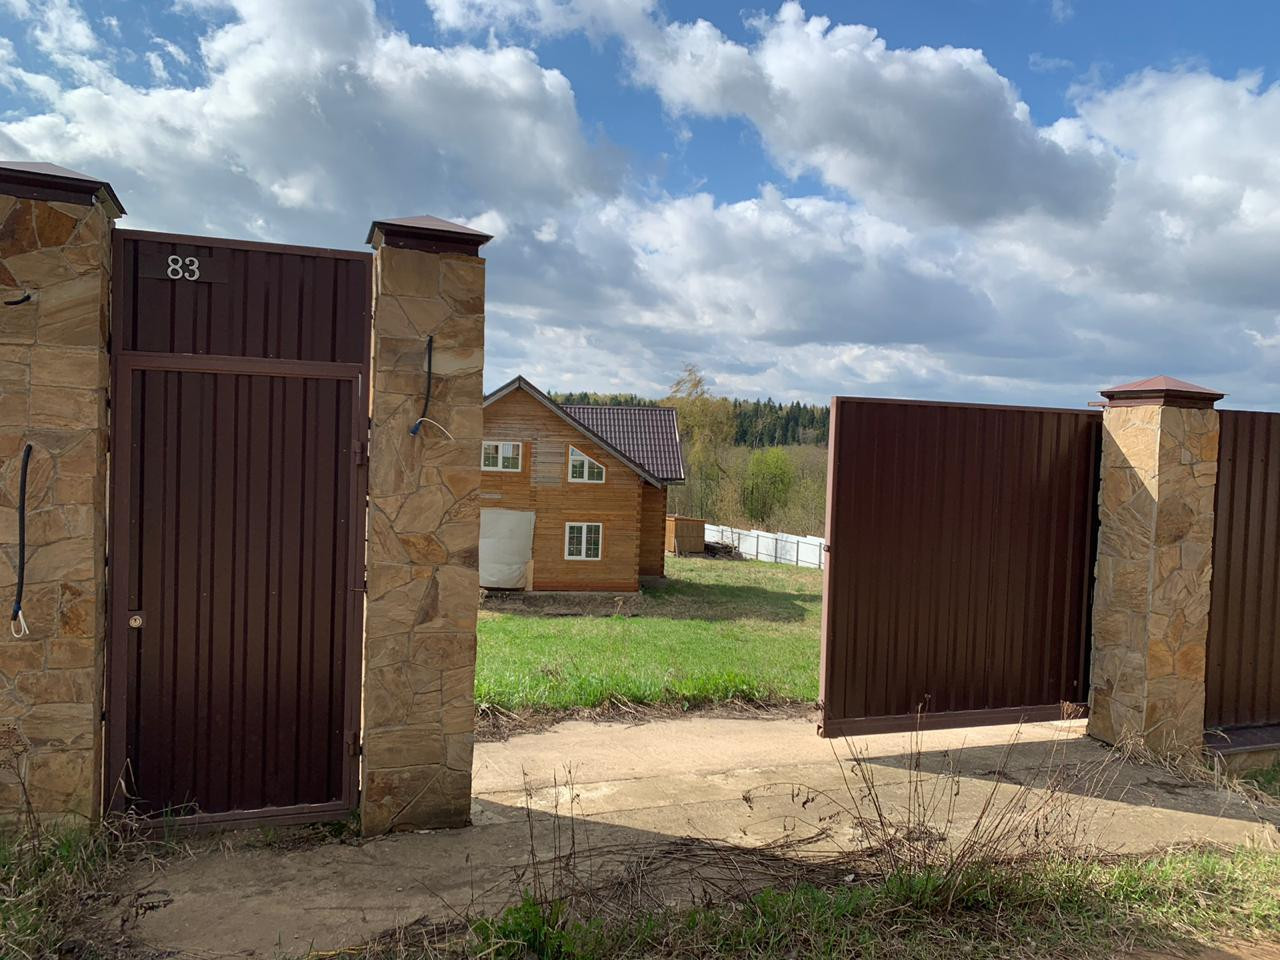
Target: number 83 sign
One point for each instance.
(183, 268)
(205, 267)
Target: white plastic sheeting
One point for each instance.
(506, 548)
(770, 547)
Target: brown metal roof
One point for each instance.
(426, 233)
(1168, 390)
(648, 435)
(1162, 383)
(48, 181)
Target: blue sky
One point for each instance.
(1017, 201)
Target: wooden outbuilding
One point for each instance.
(573, 497)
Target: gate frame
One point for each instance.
(121, 641)
(953, 719)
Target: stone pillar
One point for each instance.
(55, 247)
(1155, 561)
(424, 526)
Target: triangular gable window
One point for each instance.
(582, 469)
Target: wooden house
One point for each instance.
(573, 497)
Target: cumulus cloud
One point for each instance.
(932, 132)
(311, 120)
(959, 250)
(937, 131)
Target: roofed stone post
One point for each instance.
(424, 525)
(55, 252)
(1155, 562)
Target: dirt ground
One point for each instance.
(611, 791)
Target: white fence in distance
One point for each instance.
(770, 547)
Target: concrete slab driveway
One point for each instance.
(636, 785)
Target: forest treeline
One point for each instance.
(756, 423)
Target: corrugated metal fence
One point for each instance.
(1242, 676)
(960, 568)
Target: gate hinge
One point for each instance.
(354, 749)
(362, 452)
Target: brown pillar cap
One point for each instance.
(48, 181)
(429, 234)
(1161, 391)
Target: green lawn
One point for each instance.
(716, 630)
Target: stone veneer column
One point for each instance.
(55, 247)
(424, 526)
(1155, 561)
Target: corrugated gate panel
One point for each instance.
(253, 300)
(239, 400)
(960, 569)
(240, 570)
(1242, 674)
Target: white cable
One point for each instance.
(433, 423)
(19, 627)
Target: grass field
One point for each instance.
(717, 630)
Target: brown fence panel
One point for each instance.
(239, 415)
(961, 541)
(685, 535)
(1242, 672)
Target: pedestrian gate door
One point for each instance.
(239, 416)
(959, 579)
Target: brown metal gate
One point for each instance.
(1242, 670)
(959, 579)
(240, 374)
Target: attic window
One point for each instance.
(501, 455)
(582, 469)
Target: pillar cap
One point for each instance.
(48, 181)
(1161, 391)
(429, 234)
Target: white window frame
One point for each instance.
(583, 524)
(576, 454)
(503, 446)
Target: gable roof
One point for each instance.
(648, 435)
(520, 383)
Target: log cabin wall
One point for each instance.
(542, 485)
(653, 527)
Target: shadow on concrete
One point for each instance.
(1083, 767)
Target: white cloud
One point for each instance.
(928, 132)
(932, 132)
(548, 17)
(1061, 10)
(310, 109)
(961, 251)
(1040, 63)
(175, 52)
(155, 63)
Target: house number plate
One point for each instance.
(183, 267)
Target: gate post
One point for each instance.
(424, 525)
(55, 251)
(1155, 561)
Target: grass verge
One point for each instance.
(1267, 781)
(1050, 910)
(49, 878)
(717, 631)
